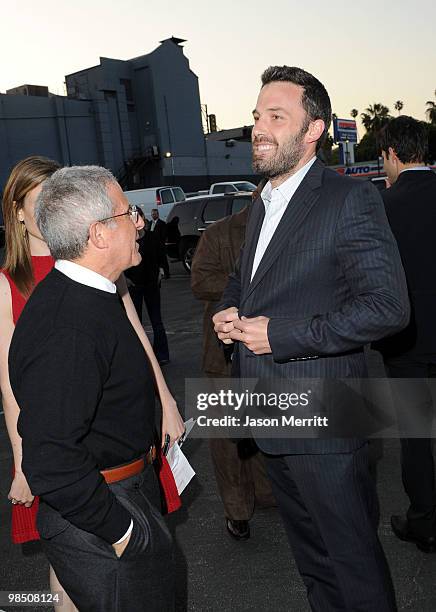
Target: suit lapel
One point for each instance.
(254, 225)
(298, 207)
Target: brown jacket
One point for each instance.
(215, 258)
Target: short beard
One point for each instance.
(286, 158)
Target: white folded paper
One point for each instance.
(180, 467)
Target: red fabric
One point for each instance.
(171, 497)
(23, 528)
(41, 267)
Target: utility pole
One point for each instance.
(205, 118)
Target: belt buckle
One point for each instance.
(150, 455)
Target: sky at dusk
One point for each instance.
(362, 52)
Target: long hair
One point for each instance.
(25, 176)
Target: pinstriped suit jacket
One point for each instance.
(331, 281)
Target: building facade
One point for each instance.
(141, 118)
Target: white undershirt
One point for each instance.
(275, 201)
(88, 277)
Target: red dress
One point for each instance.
(24, 519)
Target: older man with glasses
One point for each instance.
(85, 388)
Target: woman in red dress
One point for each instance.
(27, 262)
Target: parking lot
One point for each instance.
(216, 573)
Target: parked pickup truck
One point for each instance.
(230, 187)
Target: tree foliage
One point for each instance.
(432, 143)
(431, 110)
(367, 148)
(325, 152)
(399, 105)
(375, 117)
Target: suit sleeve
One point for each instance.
(232, 292)
(208, 279)
(370, 262)
(58, 389)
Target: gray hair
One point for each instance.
(70, 201)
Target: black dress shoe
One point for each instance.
(401, 528)
(240, 530)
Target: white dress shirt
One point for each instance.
(415, 168)
(83, 275)
(88, 277)
(275, 201)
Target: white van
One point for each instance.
(162, 198)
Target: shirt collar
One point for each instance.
(415, 168)
(85, 276)
(288, 188)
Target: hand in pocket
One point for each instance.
(121, 547)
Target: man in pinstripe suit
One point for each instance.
(318, 278)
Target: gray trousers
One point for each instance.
(96, 580)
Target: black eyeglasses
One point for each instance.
(132, 212)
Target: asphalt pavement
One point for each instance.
(214, 572)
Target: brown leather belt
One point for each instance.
(128, 470)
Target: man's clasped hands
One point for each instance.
(253, 332)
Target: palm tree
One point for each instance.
(431, 110)
(375, 117)
(354, 112)
(399, 105)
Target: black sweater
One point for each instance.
(82, 380)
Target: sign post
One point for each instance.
(345, 135)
